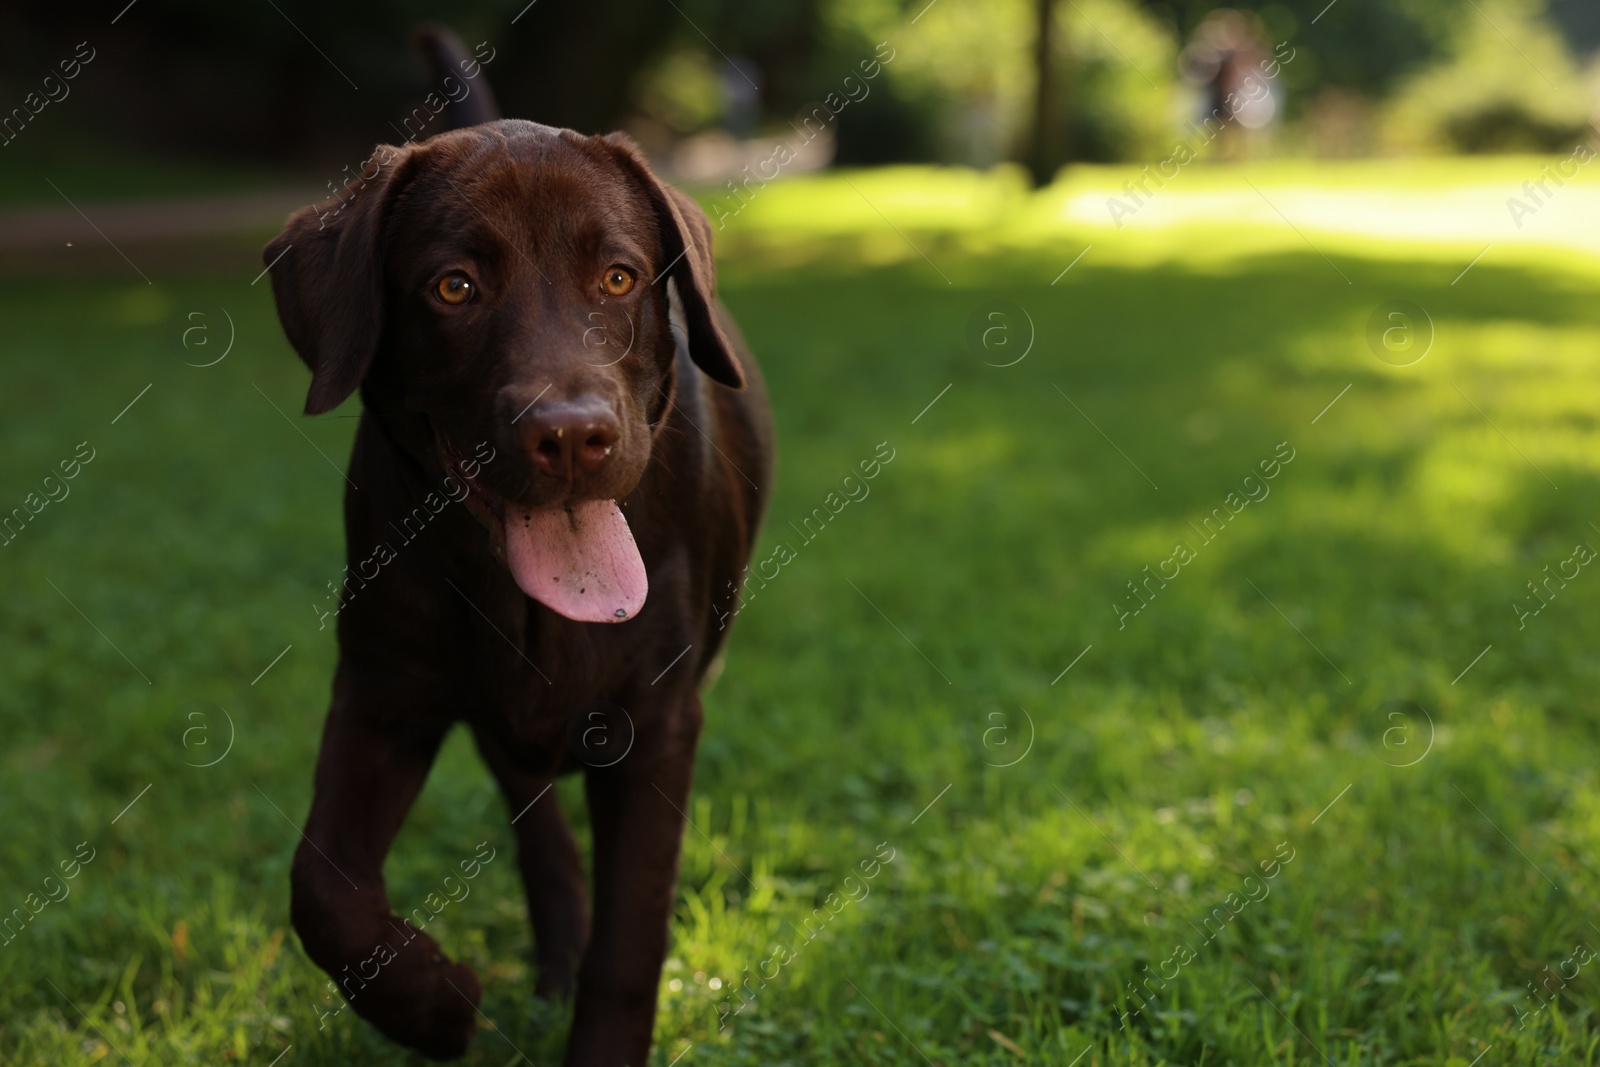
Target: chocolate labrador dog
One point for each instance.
(561, 464)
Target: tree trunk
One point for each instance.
(1045, 148)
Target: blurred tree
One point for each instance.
(575, 64)
(286, 81)
(1507, 83)
(1045, 153)
(278, 82)
(294, 78)
(969, 73)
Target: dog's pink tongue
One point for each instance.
(580, 561)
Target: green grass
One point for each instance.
(1175, 756)
(90, 172)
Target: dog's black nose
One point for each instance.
(568, 437)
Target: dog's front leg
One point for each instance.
(637, 810)
(552, 872)
(379, 742)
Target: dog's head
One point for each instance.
(510, 283)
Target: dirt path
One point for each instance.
(147, 222)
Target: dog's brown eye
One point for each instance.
(618, 281)
(455, 289)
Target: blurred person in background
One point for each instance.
(1224, 60)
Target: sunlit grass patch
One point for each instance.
(1070, 797)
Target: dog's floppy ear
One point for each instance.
(686, 243)
(327, 278)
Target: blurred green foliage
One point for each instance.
(1507, 83)
(279, 81)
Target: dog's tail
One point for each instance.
(448, 58)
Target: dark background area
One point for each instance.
(290, 82)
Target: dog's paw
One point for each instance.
(447, 1020)
(423, 1000)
